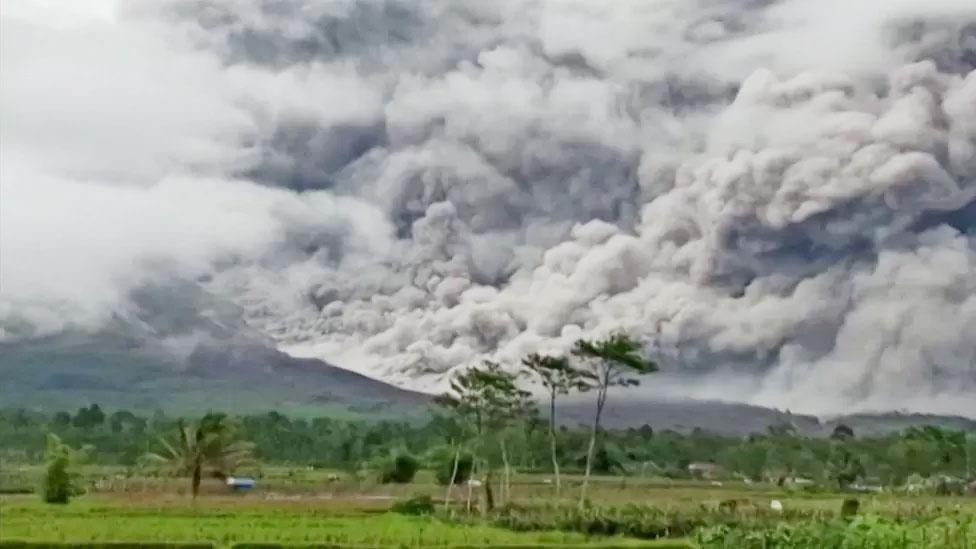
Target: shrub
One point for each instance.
(949, 532)
(849, 507)
(57, 481)
(57, 486)
(417, 505)
(465, 466)
(400, 470)
(631, 520)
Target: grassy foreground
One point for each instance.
(300, 508)
(104, 519)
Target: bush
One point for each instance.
(947, 532)
(57, 486)
(400, 470)
(849, 507)
(465, 466)
(57, 481)
(417, 505)
(631, 520)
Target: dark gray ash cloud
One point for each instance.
(779, 192)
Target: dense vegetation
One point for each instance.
(635, 466)
(123, 438)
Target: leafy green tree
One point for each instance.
(118, 420)
(949, 444)
(968, 451)
(399, 469)
(89, 418)
(842, 432)
(748, 458)
(211, 445)
(909, 456)
(558, 377)
(57, 479)
(607, 459)
(454, 469)
(845, 467)
(607, 363)
(489, 399)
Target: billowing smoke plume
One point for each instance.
(782, 192)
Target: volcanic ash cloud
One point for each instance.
(777, 192)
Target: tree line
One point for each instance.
(356, 445)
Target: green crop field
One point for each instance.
(226, 521)
(299, 507)
(101, 519)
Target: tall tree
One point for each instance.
(118, 420)
(207, 446)
(454, 432)
(842, 432)
(607, 363)
(558, 377)
(489, 399)
(89, 418)
(844, 466)
(57, 486)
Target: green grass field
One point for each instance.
(299, 506)
(101, 519)
(227, 520)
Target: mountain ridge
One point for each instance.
(69, 371)
(65, 372)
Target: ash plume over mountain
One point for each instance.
(776, 193)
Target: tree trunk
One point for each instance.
(474, 471)
(600, 401)
(552, 442)
(506, 491)
(965, 446)
(450, 483)
(195, 481)
(489, 495)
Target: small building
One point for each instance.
(865, 488)
(241, 483)
(704, 470)
(798, 482)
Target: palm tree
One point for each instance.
(207, 446)
(608, 363)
